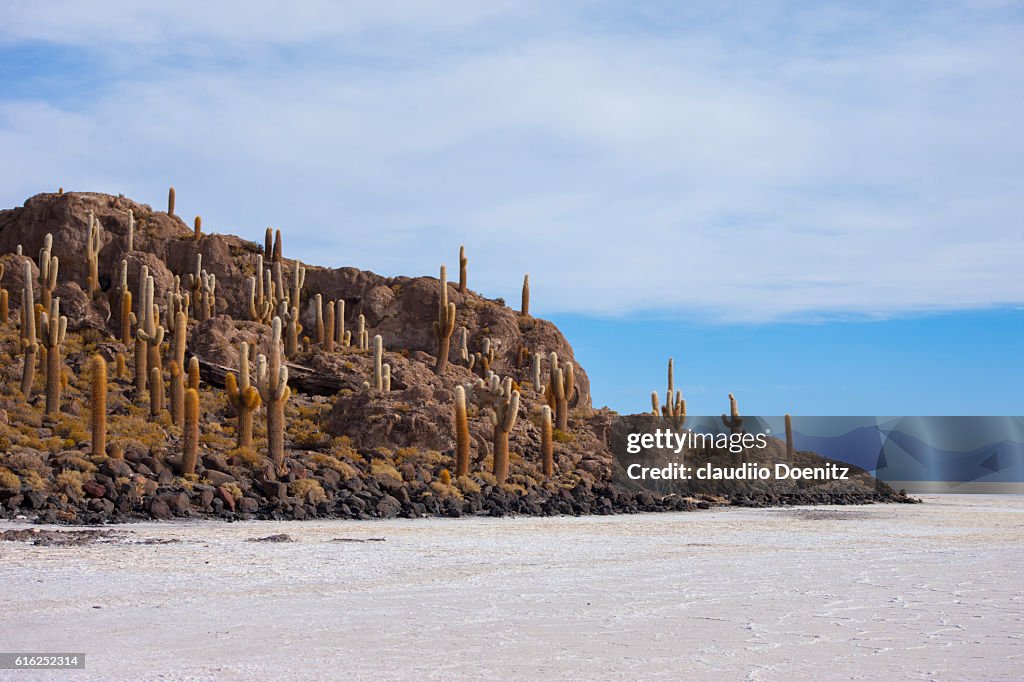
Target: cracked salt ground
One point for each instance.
(932, 591)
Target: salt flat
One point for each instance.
(932, 591)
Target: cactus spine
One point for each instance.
(54, 329)
(170, 201)
(98, 406)
(461, 433)
(547, 446)
(526, 296)
(244, 397)
(272, 382)
(190, 433)
(177, 393)
(93, 244)
(156, 392)
(560, 386)
(789, 438)
(734, 422)
(445, 324)
(463, 262)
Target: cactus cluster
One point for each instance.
(734, 422)
(501, 401)
(93, 244)
(444, 325)
(674, 409)
(243, 396)
(561, 382)
(54, 328)
(272, 382)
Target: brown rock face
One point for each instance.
(400, 309)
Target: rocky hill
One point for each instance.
(349, 432)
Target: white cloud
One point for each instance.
(792, 163)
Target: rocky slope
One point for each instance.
(350, 452)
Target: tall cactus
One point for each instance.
(98, 406)
(341, 337)
(149, 332)
(193, 373)
(298, 281)
(54, 329)
(156, 392)
(674, 409)
(197, 229)
(734, 422)
(290, 318)
(318, 302)
(445, 324)
(547, 447)
(261, 306)
(503, 413)
(190, 433)
(463, 262)
(526, 296)
(363, 336)
(538, 385)
(125, 315)
(329, 324)
(378, 358)
(560, 386)
(180, 331)
(272, 382)
(268, 245)
(93, 244)
(244, 398)
(30, 345)
(278, 254)
(48, 268)
(131, 231)
(789, 438)
(177, 393)
(170, 201)
(461, 433)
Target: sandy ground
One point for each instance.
(933, 591)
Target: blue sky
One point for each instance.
(734, 184)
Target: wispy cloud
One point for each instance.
(749, 163)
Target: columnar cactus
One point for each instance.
(503, 413)
(272, 382)
(789, 438)
(363, 335)
(207, 302)
(48, 267)
(734, 422)
(292, 331)
(149, 332)
(98, 406)
(463, 262)
(278, 248)
(170, 201)
(547, 446)
(378, 357)
(560, 386)
(464, 355)
(261, 307)
(461, 433)
(190, 433)
(193, 373)
(526, 296)
(538, 385)
(244, 398)
(156, 392)
(386, 377)
(298, 281)
(318, 302)
(674, 409)
(341, 337)
(4, 303)
(268, 244)
(54, 329)
(131, 231)
(93, 244)
(485, 357)
(195, 285)
(445, 324)
(329, 323)
(197, 229)
(180, 330)
(125, 315)
(120, 369)
(177, 393)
